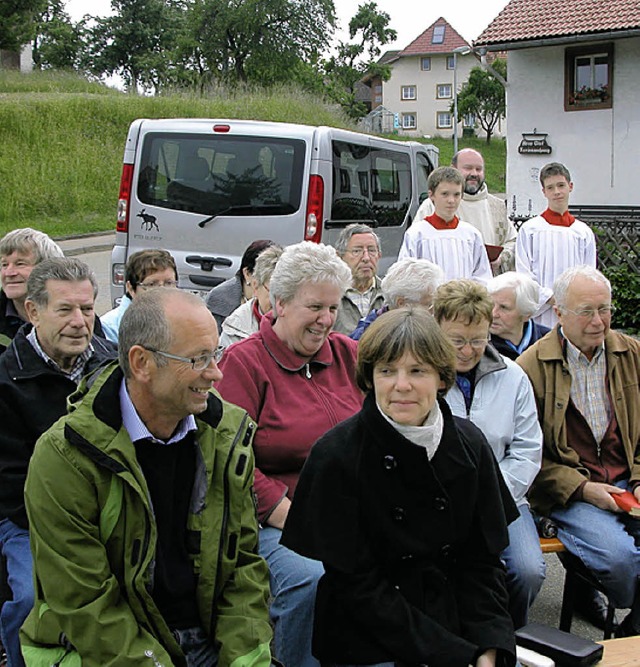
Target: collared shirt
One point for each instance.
(589, 387)
(136, 428)
(76, 372)
(362, 300)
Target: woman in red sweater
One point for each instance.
(296, 378)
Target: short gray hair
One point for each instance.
(26, 240)
(411, 278)
(266, 263)
(351, 230)
(145, 323)
(564, 280)
(525, 289)
(303, 263)
(68, 269)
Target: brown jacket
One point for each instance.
(544, 363)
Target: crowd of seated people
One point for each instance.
(429, 406)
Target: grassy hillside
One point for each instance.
(62, 139)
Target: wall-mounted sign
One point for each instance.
(534, 143)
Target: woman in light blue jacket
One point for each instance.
(496, 395)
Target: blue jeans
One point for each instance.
(294, 580)
(525, 565)
(14, 542)
(196, 647)
(607, 543)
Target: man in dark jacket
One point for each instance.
(41, 367)
(20, 251)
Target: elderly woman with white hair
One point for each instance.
(409, 281)
(296, 379)
(516, 299)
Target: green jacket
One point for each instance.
(544, 363)
(93, 539)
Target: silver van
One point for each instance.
(205, 189)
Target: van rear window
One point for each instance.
(215, 175)
(370, 184)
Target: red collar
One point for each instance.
(255, 308)
(439, 223)
(553, 218)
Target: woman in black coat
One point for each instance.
(405, 506)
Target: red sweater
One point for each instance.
(293, 403)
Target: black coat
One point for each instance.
(537, 332)
(33, 396)
(411, 548)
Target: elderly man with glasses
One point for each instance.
(359, 247)
(142, 513)
(585, 379)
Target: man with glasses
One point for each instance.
(42, 366)
(585, 379)
(359, 247)
(141, 506)
(144, 269)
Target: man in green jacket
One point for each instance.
(585, 380)
(143, 525)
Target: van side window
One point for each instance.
(370, 184)
(424, 169)
(214, 174)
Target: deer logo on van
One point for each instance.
(148, 221)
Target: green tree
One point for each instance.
(484, 97)
(58, 42)
(18, 22)
(368, 30)
(137, 42)
(258, 41)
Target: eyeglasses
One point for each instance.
(198, 363)
(588, 313)
(358, 252)
(476, 343)
(166, 283)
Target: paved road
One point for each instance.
(96, 251)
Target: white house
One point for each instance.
(573, 96)
(420, 90)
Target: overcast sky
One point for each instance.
(408, 17)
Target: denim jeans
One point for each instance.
(293, 581)
(525, 565)
(196, 647)
(607, 543)
(14, 543)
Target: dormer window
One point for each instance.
(438, 34)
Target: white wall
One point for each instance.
(407, 72)
(600, 147)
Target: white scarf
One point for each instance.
(428, 435)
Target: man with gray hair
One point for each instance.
(359, 246)
(408, 281)
(141, 509)
(585, 380)
(20, 251)
(42, 365)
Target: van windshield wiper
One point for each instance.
(248, 209)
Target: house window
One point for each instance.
(444, 120)
(451, 62)
(425, 64)
(469, 120)
(408, 93)
(438, 35)
(377, 88)
(588, 79)
(378, 99)
(443, 91)
(409, 121)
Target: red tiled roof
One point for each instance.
(536, 19)
(423, 43)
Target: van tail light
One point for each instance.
(315, 203)
(124, 199)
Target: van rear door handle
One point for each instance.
(207, 263)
